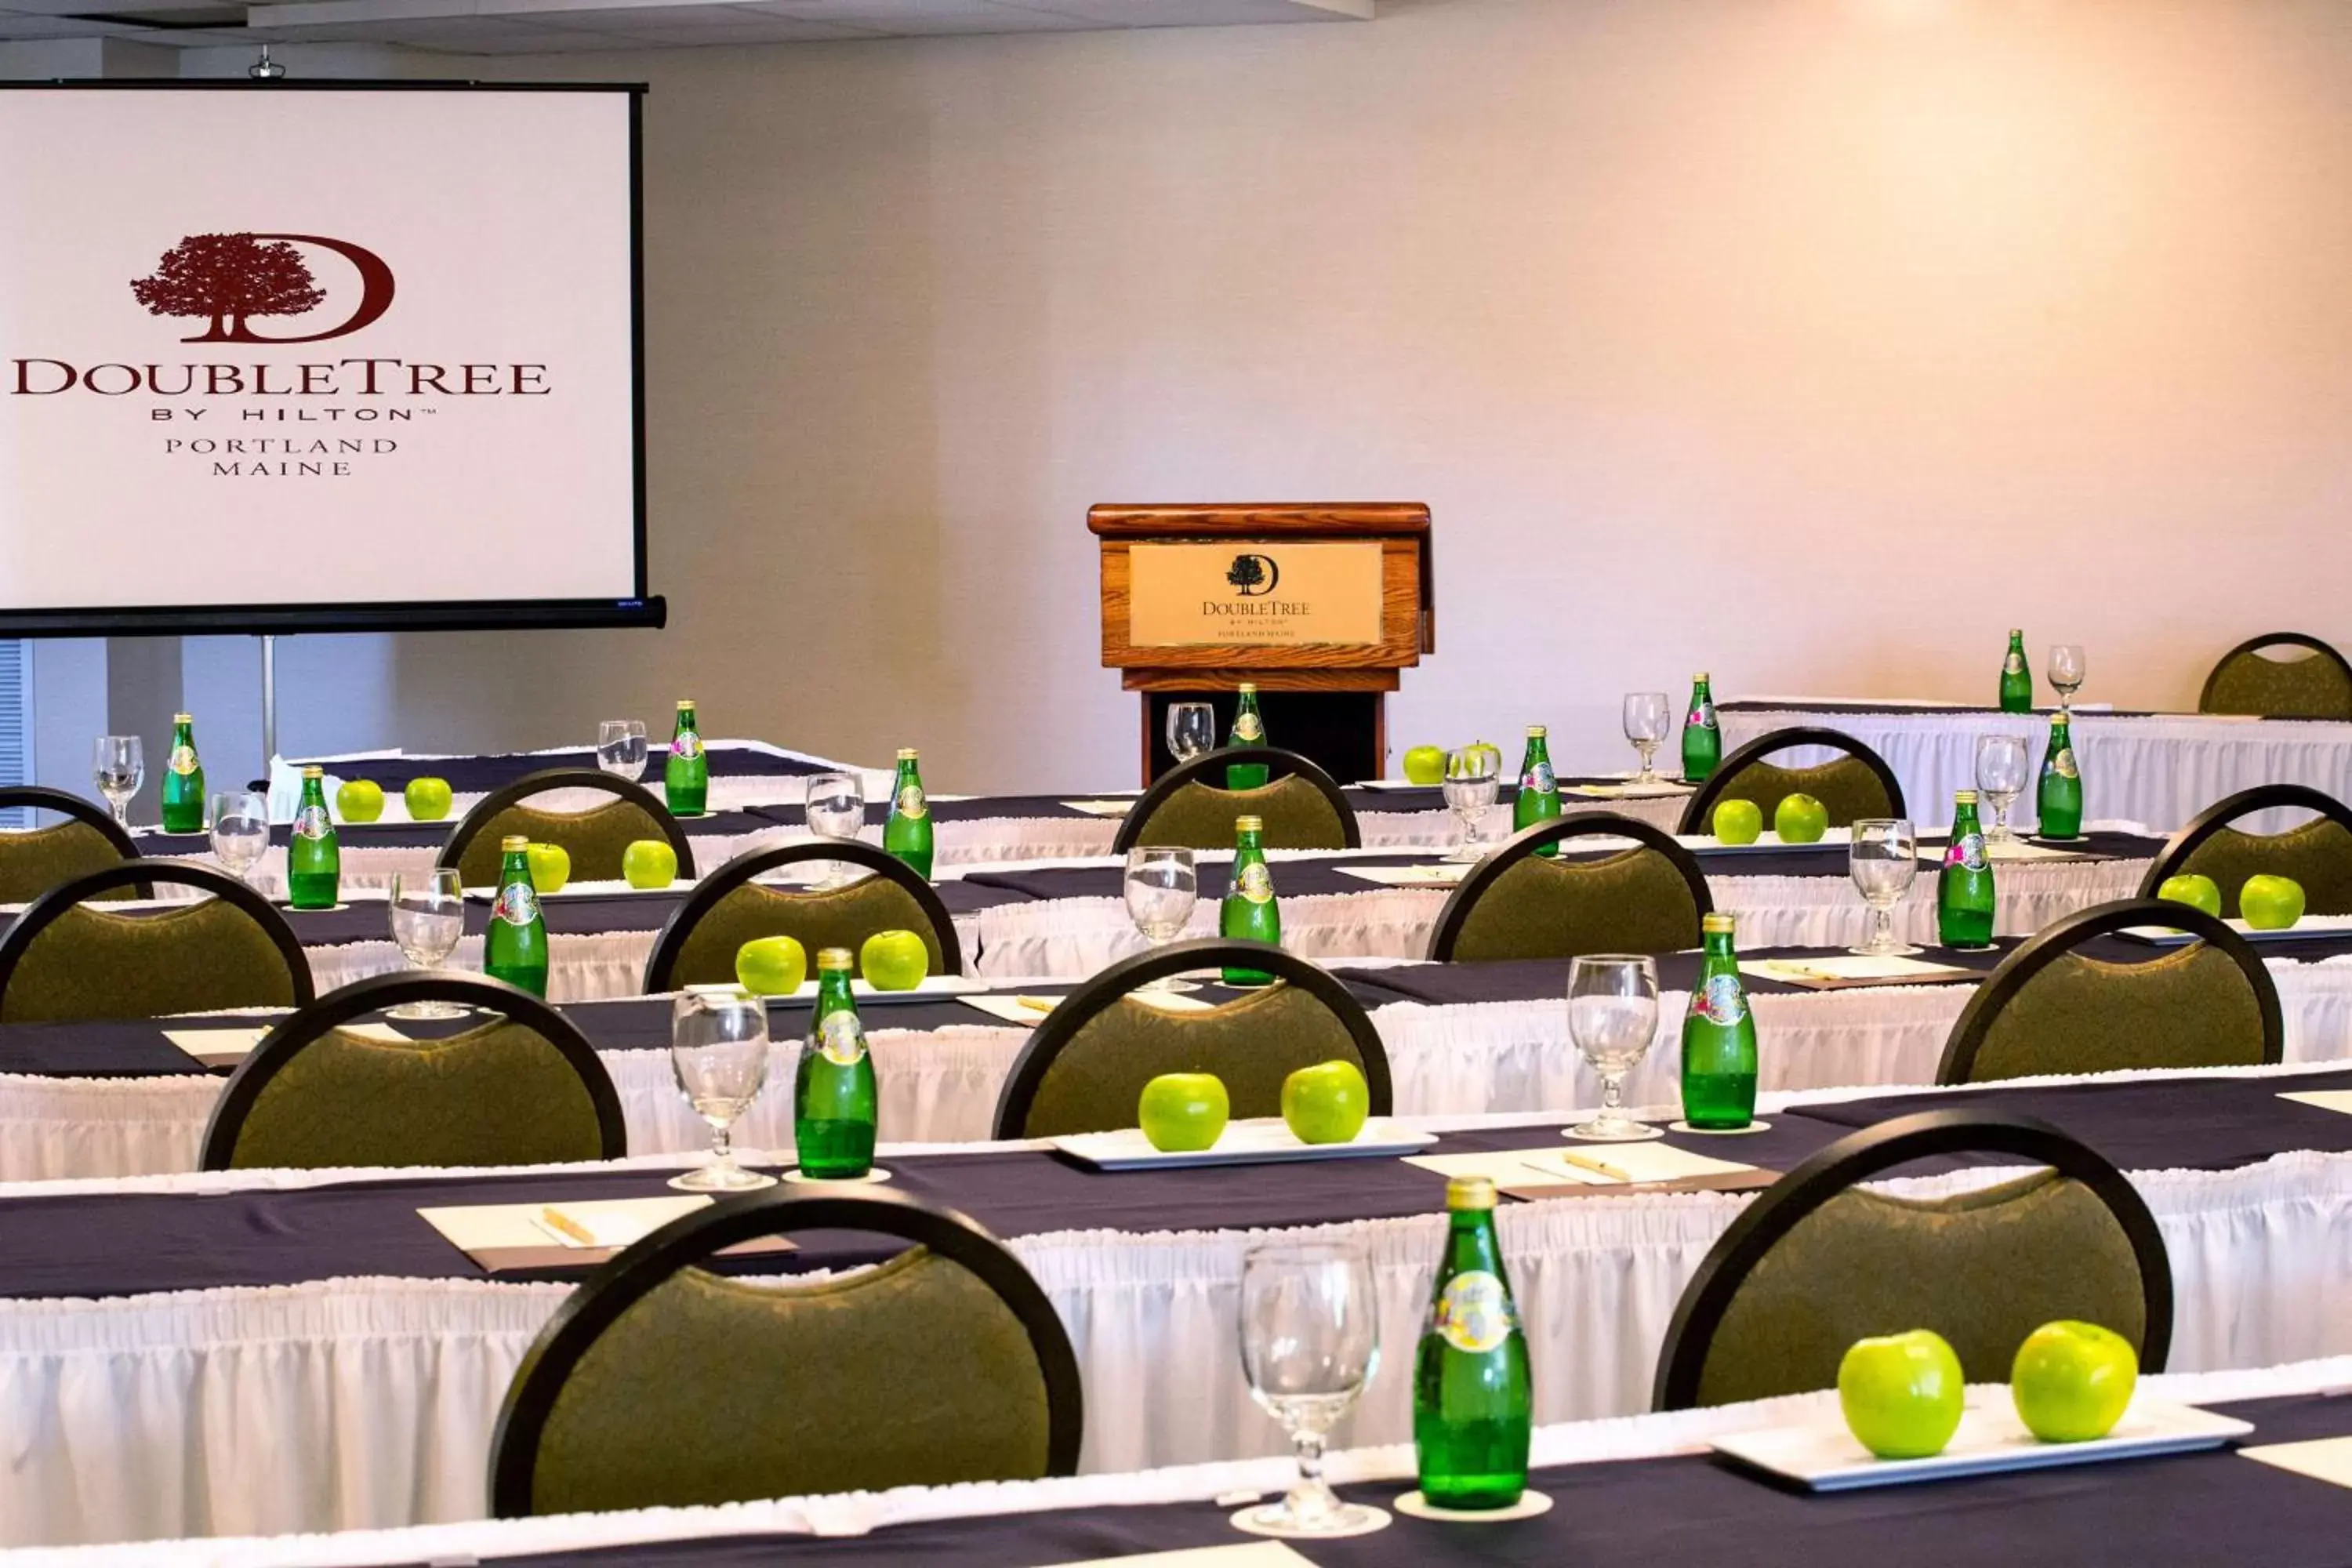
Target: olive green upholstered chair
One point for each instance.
(34, 859)
(2317, 854)
(1515, 904)
(64, 960)
(518, 1086)
(596, 839)
(1818, 1262)
(698, 946)
(1301, 806)
(2050, 1008)
(2318, 685)
(1856, 786)
(661, 1383)
(1086, 1064)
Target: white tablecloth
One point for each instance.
(2160, 769)
(370, 1402)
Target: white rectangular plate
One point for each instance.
(1255, 1143)
(1825, 1457)
(1390, 784)
(1834, 838)
(2309, 926)
(932, 988)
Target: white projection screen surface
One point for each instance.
(319, 357)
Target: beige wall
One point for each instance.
(1811, 341)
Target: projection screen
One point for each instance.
(319, 357)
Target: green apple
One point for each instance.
(551, 867)
(1183, 1113)
(2071, 1380)
(1801, 819)
(1424, 765)
(359, 800)
(894, 961)
(649, 863)
(1902, 1393)
(2271, 903)
(2197, 892)
(1738, 822)
(1325, 1103)
(771, 965)
(428, 799)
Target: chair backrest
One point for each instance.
(37, 860)
(1856, 786)
(2318, 686)
(2049, 1009)
(62, 960)
(1301, 806)
(698, 945)
(659, 1384)
(595, 839)
(1816, 1263)
(523, 1088)
(1515, 904)
(1086, 1064)
(2318, 854)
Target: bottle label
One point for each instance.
(1719, 1001)
(1248, 728)
(1473, 1312)
(313, 822)
(184, 760)
(1540, 779)
(1967, 852)
(688, 746)
(2014, 664)
(840, 1039)
(911, 803)
(1257, 882)
(2065, 766)
(1702, 717)
(518, 904)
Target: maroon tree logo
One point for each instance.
(230, 278)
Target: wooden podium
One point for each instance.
(1320, 606)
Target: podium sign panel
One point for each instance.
(1254, 591)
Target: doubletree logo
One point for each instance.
(228, 280)
(1253, 576)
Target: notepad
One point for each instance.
(1101, 807)
(1440, 875)
(1241, 1554)
(2322, 1458)
(2335, 1100)
(1641, 1164)
(570, 1234)
(1658, 790)
(216, 1047)
(1028, 1010)
(1835, 972)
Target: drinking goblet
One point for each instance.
(1649, 719)
(621, 748)
(1884, 860)
(719, 1048)
(119, 766)
(1471, 786)
(1192, 729)
(2066, 670)
(1310, 1345)
(428, 918)
(1613, 1014)
(2000, 776)
(240, 831)
(1162, 886)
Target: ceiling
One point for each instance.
(564, 27)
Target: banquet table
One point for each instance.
(742, 772)
(2156, 769)
(250, 1353)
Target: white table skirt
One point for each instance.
(367, 1402)
(2160, 769)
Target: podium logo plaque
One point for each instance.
(1231, 593)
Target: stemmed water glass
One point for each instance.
(428, 917)
(1884, 860)
(719, 1048)
(1472, 783)
(1310, 1345)
(621, 748)
(1613, 1014)
(2000, 776)
(119, 765)
(1192, 729)
(834, 808)
(2066, 671)
(240, 830)
(1649, 719)
(1162, 886)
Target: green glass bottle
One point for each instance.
(2016, 676)
(1718, 1036)
(686, 776)
(1472, 1399)
(1249, 730)
(2061, 795)
(184, 780)
(834, 1097)
(1249, 913)
(908, 834)
(1964, 905)
(1538, 797)
(314, 864)
(514, 949)
(1702, 739)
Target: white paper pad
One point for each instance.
(2322, 1458)
(1658, 790)
(1390, 784)
(216, 1047)
(2019, 849)
(615, 1221)
(383, 1033)
(1019, 1009)
(1101, 807)
(1243, 1555)
(1442, 876)
(1852, 969)
(1650, 1162)
(2335, 1100)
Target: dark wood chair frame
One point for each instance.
(1727, 773)
(1280, 764)
(1102, 991)
(40, 798)
(141, 877)
(2061, 937)
(1447, 931)
(297, 1033)
(470, 827)
(2226, 811)
(691, 1238)
(675, 933)
(2271, 639)
(1860, 1156)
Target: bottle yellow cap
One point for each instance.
(1246, 686)
(1249, 825)
(1699, 680)
(513, 843)
(1717, 925)
(907, 753)
(1536, 732)
(314, 772)
(835, 958)
(183, 718)
(1964, 797)
(1470, 1193)
(684, 704)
